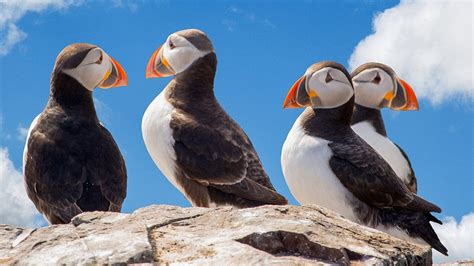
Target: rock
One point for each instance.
(283, 235)
(469, 262)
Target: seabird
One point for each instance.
(200, 149)
(326, 163)
(377, 86)
(71, 163)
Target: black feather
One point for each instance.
(72, 163)
(212, 150)
(415, 224)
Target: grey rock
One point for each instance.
(469, 262)
(281, 235)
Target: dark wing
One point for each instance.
(368, 177)
(108, 170)
(412, 185)
(224, 159)
(53, 178)
(72, 169)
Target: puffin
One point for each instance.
(377, 86)
(71, 163)
(325, 162)
(197, 146)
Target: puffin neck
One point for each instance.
(371, 115)
(328, 123)
(199, 77)
(70, 95)
(338, 115)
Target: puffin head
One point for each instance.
(90, 66)
(324, 85)
(377, 86)
(180, 50)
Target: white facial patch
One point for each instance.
(367, 92)
(183, 54)
(91, 71)
(333, 93)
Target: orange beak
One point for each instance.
(115, 77)
(411, 100)
(158, 66)
(291, 100)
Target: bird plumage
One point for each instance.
(213, 162)
(71, 162)
(390, 151)
(367, 119)
(332, 160)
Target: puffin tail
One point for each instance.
(416, 225)
(433, 219)
(422, 205)
(427, 233)
(251, 190)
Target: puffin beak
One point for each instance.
(387, 100)
(411, 100)
(158, 66)
(115, 76)
(297, 96)
(403, 99)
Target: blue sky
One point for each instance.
(262, 48)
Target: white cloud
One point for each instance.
(428, 43)
(22, 132)
(237, 14)
(132, 5)
(103, 111)
(11, 11)
(457, 237)
(229, 24)
(1, 125)
(3, 135)
(15, 208)
(9, 37)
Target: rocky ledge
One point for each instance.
(284, 235)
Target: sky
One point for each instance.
(262, 48)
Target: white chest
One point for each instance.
(25, 150)
(305, 164)
(158, 136)
(386, 148)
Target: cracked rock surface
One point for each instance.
(282, 235)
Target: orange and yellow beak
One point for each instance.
(404, 98)
(115, 76)
(297, 96)
(412, 101)
(158, 66)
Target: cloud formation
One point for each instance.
(457, 237)
(237, 14)
(11, 11)
(15, 208)
(428, 43)
(22, 132)
(103, 111)
(132, 5)
(3, 134)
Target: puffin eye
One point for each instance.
(172, 46)
(377, 79)
(328, 78)
(99, 61)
